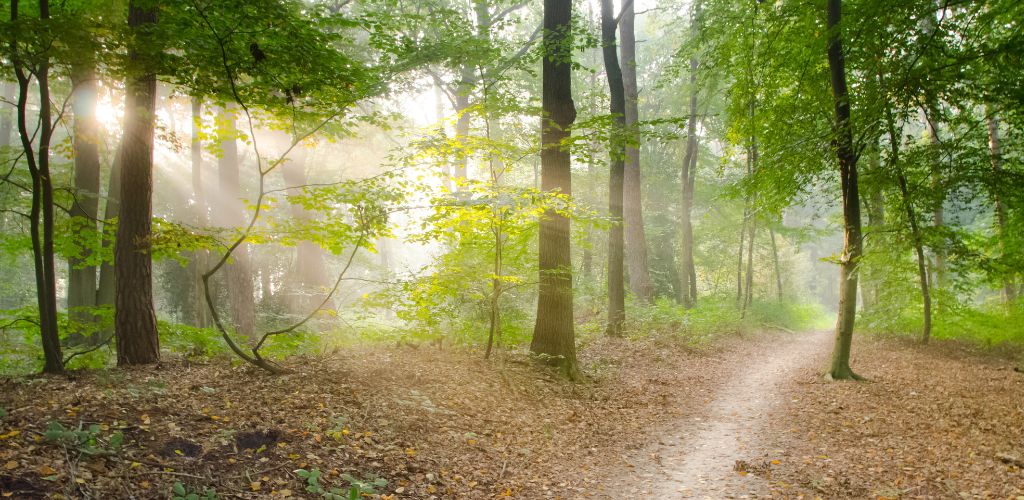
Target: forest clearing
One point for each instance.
(445, 424)
(391, 249)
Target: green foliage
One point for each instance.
(715, 316)
(180, 492)
(357, 487)
(91, 440)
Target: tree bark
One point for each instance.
(200, 258)
(41, 216)
(308, 281)
(875, 205)
(239, 272)
(632, 209)
(10, 92)
(688, 293)
(81, 293)
(775, 261)
(1009, 287)
(553, 334)
(852, 243)
(134, 314)
(112, 207)
(617, 150)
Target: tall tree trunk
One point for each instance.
(748, 289)
(84, 209)
(632, 209)
(908, 210)
(41, 215)
(308, 281)
(446, 168)
(875, 205)
(112, 207)
(134, 314)
(847, 158)
(10, 93)
(739, 261)
(241, 295)
(938, 213)
(200, 258)
(553, 334)
(1009, 287)
(688, 293)
(617, 150)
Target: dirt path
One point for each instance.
(697, 457)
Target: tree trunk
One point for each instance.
(688, 293)
(739, 261)
(553, 334)
(1009, 287)
(775, 261)
(41, 231)
(134, 315)
(239, 272)
(847, 158)
(308, 281)
(632, 209)
(617, 150)
(200, 258)
(875, 205)
(748, 290)
(938, 214)
(112, 207)
(82, 278)
(10, 92)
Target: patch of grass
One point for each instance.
(988, 325)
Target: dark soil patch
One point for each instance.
(254, 440)
(181, 447)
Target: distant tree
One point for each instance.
(632, 197)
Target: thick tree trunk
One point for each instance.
(41, 214)
(1009, 287)
(241, 295)
(200, 258)
(632, 209)
(134, 314)
(616, 148)
(81, 293)
(847, 158)
(553, 334)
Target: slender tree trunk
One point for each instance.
(847, 158)
(112, 207)
(689, 295)
(915, 231)
(938, 214)
(875, 205)
(553, 334)
(775, 262)
(632, 209)
(1009, 287)
(84, 209)
(134, 314)
(41, 213)
(241, 295)
(748, 290)
(200, 258)
(446, 168)
(739, 261)
(10, 92)
(616, 147)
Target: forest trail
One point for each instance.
(698, 455)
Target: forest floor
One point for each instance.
(747, 416)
